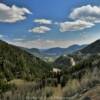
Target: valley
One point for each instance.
(49, 49)
(24, 76)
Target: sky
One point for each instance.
(49, 23)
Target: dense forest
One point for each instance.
(16, 63)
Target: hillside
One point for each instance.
(62, 62)
(54, 51)
(17, 63)
(73, 48)
(92, 48)
(33, 51)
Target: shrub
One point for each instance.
(72, 87)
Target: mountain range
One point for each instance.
(57, 51)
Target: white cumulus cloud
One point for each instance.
(40, 29)
(82, 17)
(87, 13)
(75, 25)
(43, 21)
(12, 14)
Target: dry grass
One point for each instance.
(88, 81)
(26, 91)
(72, 87)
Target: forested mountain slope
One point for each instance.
(17, 63)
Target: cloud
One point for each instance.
(43, 21)
(12, 14)
(40, 43)
(40, 29)
(87, 13)
(75, 25)
(82, 17)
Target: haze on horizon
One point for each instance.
(47, 24)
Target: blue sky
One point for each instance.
(49, 23)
